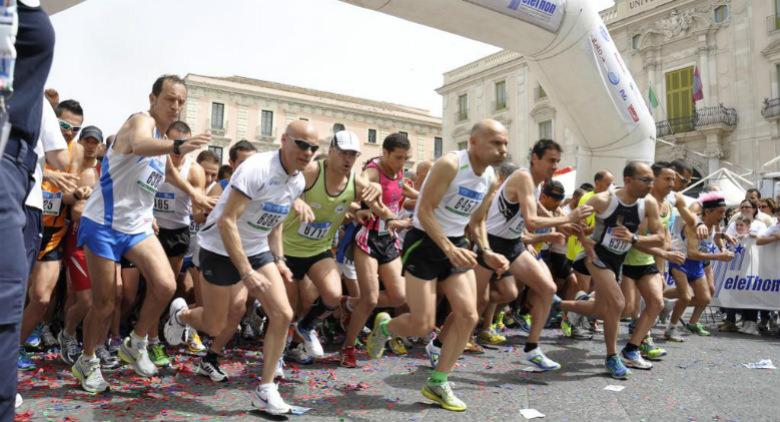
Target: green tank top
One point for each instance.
(637, 258)
(304, 240)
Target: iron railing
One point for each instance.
(771, 108)
(703, 117)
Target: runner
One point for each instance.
(513, 210)
(117, 222)
(376, 248)
(331, 187)
(436, 254)
(242, 253)
(618, 217)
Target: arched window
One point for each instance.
(635, 41)
(721, 13)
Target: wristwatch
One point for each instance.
(634, 239)
(177, 146)
(278, 258)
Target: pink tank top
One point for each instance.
(392, 194)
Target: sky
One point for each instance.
(109, 52)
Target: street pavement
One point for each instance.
(701, 379)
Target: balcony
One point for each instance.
(718, 117)
(268, 136)
(498, 106)
(461, 116)
(216, 128)
(771, 109)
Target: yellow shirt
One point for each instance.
(573, 245)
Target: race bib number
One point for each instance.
(465, 202)
(194, 227)
(269, 216)
(164, 202)
(315, 230)
(614, 245)
(52, 202)
(152, 176)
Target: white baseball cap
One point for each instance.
(346, 141)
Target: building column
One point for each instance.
(713, 151)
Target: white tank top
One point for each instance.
(464, 195)
(504, 218)
(194, 229)
(263, 179)
(172, 206)
(128, 183)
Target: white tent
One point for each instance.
(732, 185)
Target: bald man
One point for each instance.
(455, 194)
(241, 253)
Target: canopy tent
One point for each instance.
(568, 178)
(730, 184)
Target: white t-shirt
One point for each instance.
(50, 139)
(263, 179)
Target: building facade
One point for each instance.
(731, 46)
(236, 108)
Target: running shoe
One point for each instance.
(47, 337)
(348, 357)
(490, 337)
(650, 350)
(537, 359)
(616, 368)
(24, 362)
(633, 359)
(728, 327)
(698, 329)
(195, 345)
(672, 334)
(299, 355)
(376, 341)
(268, 399)
(473, 348)
(135, 353)
(108, 361)
(443, 395)
(310, 341)
(211, 369)
(89, 375)
(397, 346)
(69, 348)
(158, 355)
(34, 339)
(175, 331)
(433, 353)
(750, 328)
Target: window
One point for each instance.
(635, 41)
(305, 119)
(721, 13)
(546, 129)
(372, 136)
(216, 150)
(463, 145)
(338, 127)
(777, 14)
(777, 73)
(404, 133)
(679, 99)
(463, 107)
(267, 123)
(217, 116)
(501, 95)
(437, 147)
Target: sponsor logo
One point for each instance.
(339, 209)
(548, 7)
(632, 112)
(623, 94)
(604, 33)
(614, 79)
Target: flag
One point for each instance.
(653, 100)
(698, 90)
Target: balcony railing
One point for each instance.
(772, 24)
(461, 115)
(771, 108)
(702, 118)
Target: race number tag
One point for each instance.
(270, 216)
(52, 202)
(315, 230)
(614, 245)
(152, 176)
(465, 202)
(164, 202)
(518, 227)
(194, 227)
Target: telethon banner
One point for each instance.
(751, 280)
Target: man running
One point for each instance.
(117, 222)
(436, 254)
(618, 217)
(242, 252)
(331, 187)
(377, 248)
(514, 209)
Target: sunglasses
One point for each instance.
(303, 145)
(683, 180)
(67, 126)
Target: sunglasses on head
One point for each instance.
(67, 126)
(303, 145)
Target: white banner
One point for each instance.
(751, 280)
